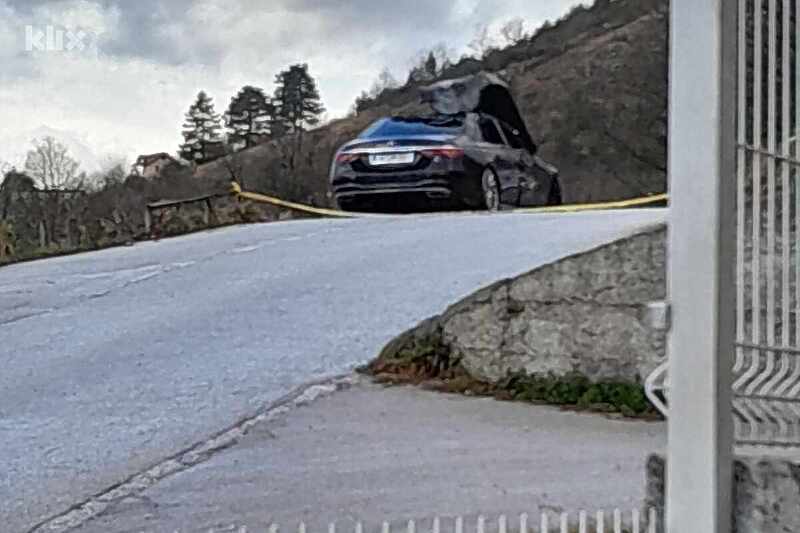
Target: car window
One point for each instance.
(512, 136)
(402, 127)
(489, 132)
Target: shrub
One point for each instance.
(7, 240)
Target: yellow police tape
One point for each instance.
(571, 208)
(258, 197)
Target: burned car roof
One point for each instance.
(480, 93)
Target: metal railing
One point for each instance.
(766, 370)
(766, 388)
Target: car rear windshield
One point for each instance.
(411, 126)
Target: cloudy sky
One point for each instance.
(126, 71)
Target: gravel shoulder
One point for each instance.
(372, 453)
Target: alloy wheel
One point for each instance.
(491, 190)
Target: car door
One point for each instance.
(501, 157)
(522, 162)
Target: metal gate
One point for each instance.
(766, 368)
(734, 259)
(766, 387)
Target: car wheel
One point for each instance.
(554, 196)
(491, 190)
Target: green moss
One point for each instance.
(421, 357)
(577, 390)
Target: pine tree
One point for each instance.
(201, 131)
(361, 103)
(430, 66)
(296, 100)
(248, 117)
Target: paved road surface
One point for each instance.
(116, 359)
(398, 454)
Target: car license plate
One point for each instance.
(400, 158)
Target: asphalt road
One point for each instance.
(114, 360)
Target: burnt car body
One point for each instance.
(473, 150)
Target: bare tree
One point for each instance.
(233, 165)
(431, 62)
(57, 174)
(513, 31)
(442, 54)
(113, 176)
(385, 81)
(52, 168)
(482, 42)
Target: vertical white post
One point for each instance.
(617, 521)
(701, 263)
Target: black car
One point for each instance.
(473, 151)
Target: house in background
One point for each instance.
(152, 165)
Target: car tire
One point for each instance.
(491, 190)
(554, 196)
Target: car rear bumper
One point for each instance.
(436, 185)
(429, 187)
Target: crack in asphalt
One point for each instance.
(160, 270)
(200, 452)
(102, 294)
(26, 316)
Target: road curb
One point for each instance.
(84, 511)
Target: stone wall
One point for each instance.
(591, 313)
(766, 494)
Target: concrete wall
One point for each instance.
(589, 313)
(766, 494)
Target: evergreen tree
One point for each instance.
(430, 66)
(248, 117)
(201, 139)
(361, 103)
(297, 101)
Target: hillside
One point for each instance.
(592, 89)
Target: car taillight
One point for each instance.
(447, 153)
(346, 157)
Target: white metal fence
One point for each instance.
(615, 521)
(766, 388)
(766, 385)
